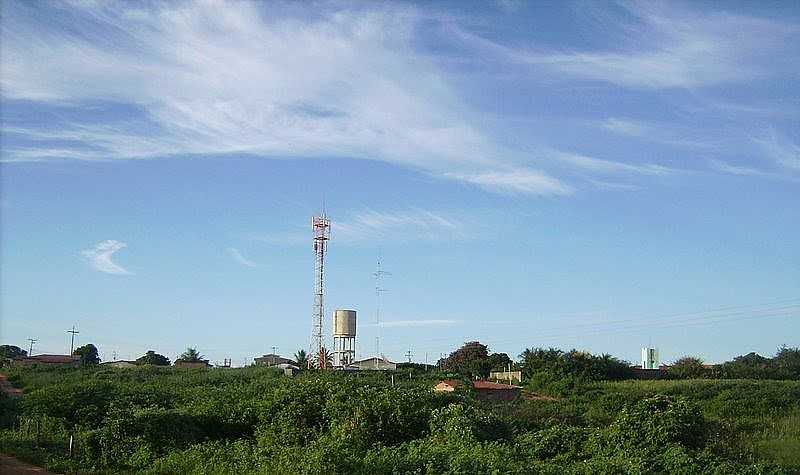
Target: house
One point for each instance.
(506, 376)
(273, 360)
(48, 360)
(192, 364)
(374, 363)
(447, 386)
(642, 373)
(119, 364)
(489, 391)
(484, 390)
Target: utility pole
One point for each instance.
(409, 355)
(72, 343)
(30, 350)
(274, 349)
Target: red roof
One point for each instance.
(53, 358)
(491, 385)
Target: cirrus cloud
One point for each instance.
(100, 257)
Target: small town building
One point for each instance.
(489, 391)
(48, 360)
(374, 363)
(506, 376)
(484, 390)
(447, 386)
(120, 364)
(272, 359)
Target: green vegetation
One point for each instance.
(473, 359)
(152, 358)
(11, 352)
(163, 420)
(88, 354)
(191, 355)
(301, 358)
(784, 365)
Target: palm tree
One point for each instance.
(325, 357)
(191, 355)
(301, 358)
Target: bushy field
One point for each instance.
(254, 420)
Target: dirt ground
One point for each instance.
(6, 387)
(12, 466)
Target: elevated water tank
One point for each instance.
(344, 323)
(649, 358)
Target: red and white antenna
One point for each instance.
(321, 226)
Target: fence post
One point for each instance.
(70, 444)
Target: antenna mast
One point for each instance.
(378, 274)
(322, 232)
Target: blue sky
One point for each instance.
(593, 175)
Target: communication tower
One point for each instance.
(321, 226)
(378, 274)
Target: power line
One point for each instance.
(649, 321)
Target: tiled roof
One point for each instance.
(53, 358)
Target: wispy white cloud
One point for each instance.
(239, 257)
(100, 257)
(780, 150)
(663, 133)
(735, 169)
(414, 224)
(204, 78)
(516, 181)
(369, 225)
(668, 46)
(607, 166)
(625, 127)
(416, 323)
(614, 186)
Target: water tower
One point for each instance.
(344, 337)
(649, 358)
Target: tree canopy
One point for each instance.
(88, 354)
(687, 367)
(191, 355)
(153, 358)
(301, 358)
(11, 351)
(471, 360)
(552, 364)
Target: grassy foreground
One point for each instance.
(254, 420)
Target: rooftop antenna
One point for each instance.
(321, 227)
